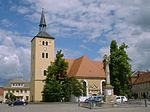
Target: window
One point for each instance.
(27, 97)
(43, 43)
(42, 55)
(25, 91)
(44, 72)
(20, 91)
(46, 55)
(84, 88)
(46, 43)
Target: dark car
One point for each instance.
(94, 99)
(17, 102)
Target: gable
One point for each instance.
(84, 67)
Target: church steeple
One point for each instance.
(42, 25)
(42, 28)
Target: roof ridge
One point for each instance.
(80, 61)
(85, 67)
(81, 58)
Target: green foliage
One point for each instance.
(10, 96)
(52, 90)
(57, 68)
(120, 69)
(71, 86)
(76, 87)
(59, 87)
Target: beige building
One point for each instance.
(42, 54)
(90, 73)
(141, 84)
(1, 94)
(19, 88)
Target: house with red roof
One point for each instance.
(141, 84)
(89, 72)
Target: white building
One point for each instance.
(19, 88)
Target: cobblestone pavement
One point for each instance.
(68, 107)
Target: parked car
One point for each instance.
(17, 102)
(121, 99)
(94, 99)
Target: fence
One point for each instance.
(130, 103)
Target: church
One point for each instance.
(89, 72)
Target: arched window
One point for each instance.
(103, 86)
(46, 43)
(44, 72)
(42, 55)
(84, 88)
(43, 43)
(46, 55)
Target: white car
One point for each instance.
(121, 99)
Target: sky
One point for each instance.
(80, 27)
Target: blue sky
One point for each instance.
(80, 27)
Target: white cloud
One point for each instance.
(96, 18)
(14, 59)
(20, 9)
(69, 53)
(91, 20)
(85, 47)
(6, 22)
(102, 52)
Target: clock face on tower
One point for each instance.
(45, 48)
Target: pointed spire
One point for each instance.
(42, 25)
(42, 28)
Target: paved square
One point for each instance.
(67, 107)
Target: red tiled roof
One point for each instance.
(84, 67)
(142, 77)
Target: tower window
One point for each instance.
(46, 43)
(43, 43)
(46, 55)
(42, 55)
(44, 72)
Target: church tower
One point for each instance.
(42, 54)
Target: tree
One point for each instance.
(76, 87)
(57, 68)
(52, 90)
(120, 69)
(10, 96)
(72, 86)
(58, 86)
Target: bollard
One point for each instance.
(145, 102)
(90, 104)
(78, 102)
